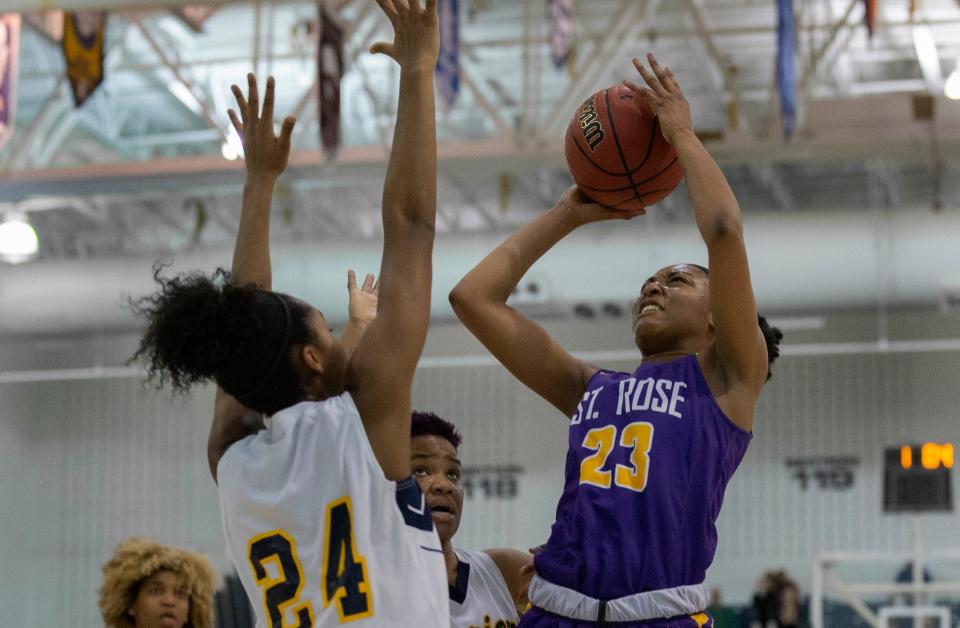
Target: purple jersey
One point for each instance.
(649, 457)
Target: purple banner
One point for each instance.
(448, 65)
(330, 70)
(560, 24)
(9, 55)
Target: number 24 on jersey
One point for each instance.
(343, 579)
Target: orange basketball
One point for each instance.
(616, 152)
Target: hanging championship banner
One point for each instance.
(330, 70)
(560, 24)
(448, 65)
(9, 55)
(787, 66)
(870, 16)
(83, 43)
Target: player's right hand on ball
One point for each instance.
(416, 34)
(585, 210)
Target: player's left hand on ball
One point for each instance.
(665, 97)
(363, 299)
(587, 211)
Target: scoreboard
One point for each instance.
(917, 478)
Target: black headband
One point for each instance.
(281, 353)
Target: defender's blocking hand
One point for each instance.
(362, 307)
(416, 34)
(264, 152)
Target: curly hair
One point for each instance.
(202, 328)
(429, 424)
(135, 560)
(772, 336)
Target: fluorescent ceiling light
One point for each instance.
(18, 240)
(228, 151)
(232, 149)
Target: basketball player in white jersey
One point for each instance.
(487, 589)
(321, 517)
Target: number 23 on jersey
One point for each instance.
(343, 579)
(637, 437)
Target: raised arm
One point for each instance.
(739, 348)
(382, 366)
(522, 346)
(265, 156)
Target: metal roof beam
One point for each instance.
(181, 75)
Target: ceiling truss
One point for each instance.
(167, 90)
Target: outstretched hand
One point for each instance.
(664, 96)
(587, 211)
(416, 34)
(363, 300)
(264, 152)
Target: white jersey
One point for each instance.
(481, 598)
(318, 534)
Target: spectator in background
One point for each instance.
(789, 593)
(147, 585)
(723, 616)
(764, 603)
(905, 576)
(776, 602)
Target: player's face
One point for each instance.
(434, 462)
(673, 310)
(162, 602)
(329, 376)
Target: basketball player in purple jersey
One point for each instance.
(650, 452)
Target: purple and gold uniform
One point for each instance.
(650, 455)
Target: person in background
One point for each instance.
(776, 602)
(149, 585)
(723, 616)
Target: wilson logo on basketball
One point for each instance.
(592, 131)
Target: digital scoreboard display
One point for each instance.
(917, 478)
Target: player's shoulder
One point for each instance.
(507, 560)
(328, 415)
(306, 426)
